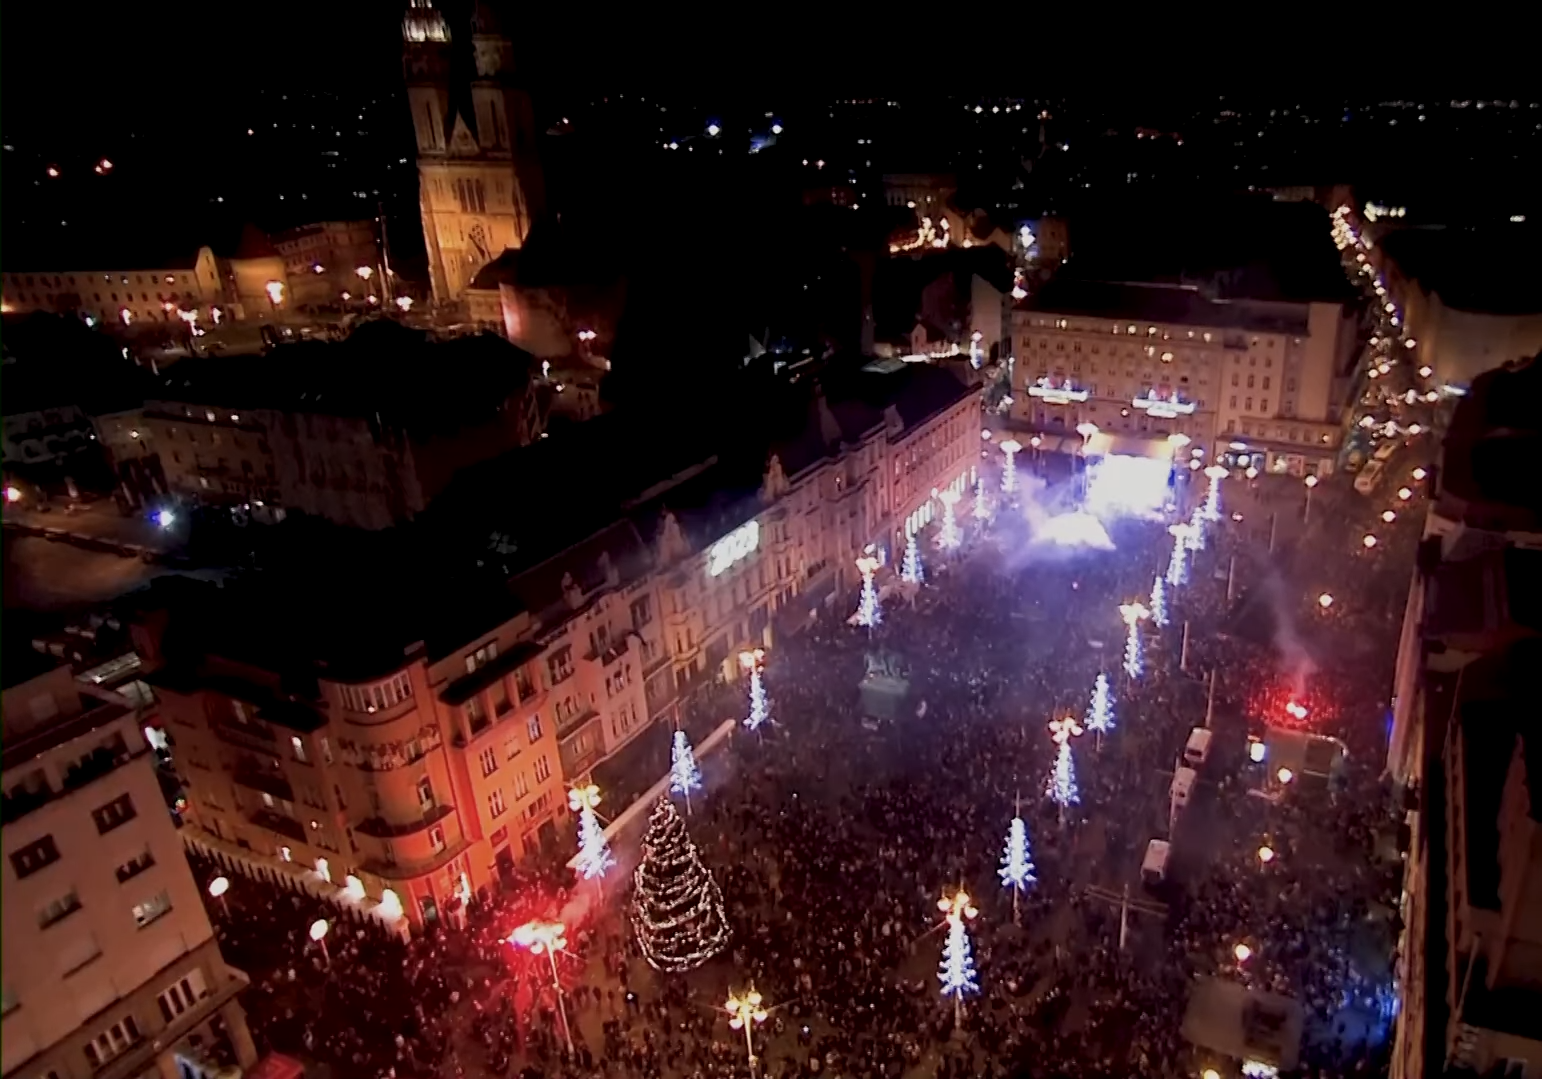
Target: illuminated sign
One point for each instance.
(1063, 394)
(738, 544)
(1164, 407)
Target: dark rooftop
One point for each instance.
(1171, 304)
(1492, 270)
(383, 370)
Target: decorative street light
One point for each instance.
(217, 888)
(753, 661)
(548, 937)
(957, 973)
(319, 929)
(1325, 601)
(743, 1013)
(1011, 447)
(1311, 483)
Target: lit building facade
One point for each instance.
(1465, 756)
(1145, 362)
(323, 262)
(479, 175)
(111, 968)
(190, 283)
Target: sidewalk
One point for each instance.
(94, 525)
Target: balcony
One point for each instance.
(277, 822)
(271, 783)
(575, 721)
(247, 736)
(380, 828)
(102, 761)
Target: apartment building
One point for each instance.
(1143, 362)
(1466, 753)
(111, 968)
(363, 432)
(331, 262)
(415, 740)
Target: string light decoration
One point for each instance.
(1178, 564)
(910, 568)
(684, 776)
(869, 613)
(956, 971)
(1159, 602)
(1062, 789)
(948, 537)
(1212, 507)
(754, 661)
(1017, 869)
(982, 507)
(1196, 535)
(677, 908)
(594, 857)
(1133, 614)
(1100, 712)
(1011, 447)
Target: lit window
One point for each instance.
(151, 909)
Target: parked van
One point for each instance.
(1197, 749)
(1153, 870)
(1183, 787)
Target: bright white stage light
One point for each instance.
(1075, 530)
(1122, 485)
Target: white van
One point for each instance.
(1197, 749)
(1183, 787)
(1153, 870)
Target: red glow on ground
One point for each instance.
(1279, 702)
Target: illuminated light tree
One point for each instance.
(677, 908)
(956, 971)
(1017, 870)
(1158, 602)
(684, 776)
(753, 661)
(948, 537)
(1133, 614)
(982, 507)
(1196, 536)
(911, 569)
(594, 857)
(1011, 447)
(1178, 564)
(869, 613)
(1100, 713)
(1212, 507)
(1062, 789)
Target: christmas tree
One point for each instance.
(1159, 602)
(1100, 713)
(677, 909)
(760, 707)
(982, 507)
(910, 569)
(684, 776)
(594, 857)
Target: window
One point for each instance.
(426, 793)
(135, 866)
(1233, 400)
(521, 786)
(560, 664)
(372, 698)
(182, 995)
(642, 611)
(151, 909)
(479, 659)
(326, 749)
(1250, 404)
(436, 838)
(34, 856)
(542, 770)
(500, 693)
(511, 747)
(1250, 382)
(1263, 406)
(489, 759)
(112, 1041)
(117, 812)
(476, 717)
(1266, 382)
(533, 729)
(524, 685)
(1234, 378)
(58, 910)
(298, 745)
(495, 806)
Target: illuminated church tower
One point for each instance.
(479, 175)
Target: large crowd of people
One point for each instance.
(834, 837)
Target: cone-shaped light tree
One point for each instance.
(677, 909)
(684, 776)
(1100, 713)
(1159, 602)
(911, 569)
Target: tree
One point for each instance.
(677, 909)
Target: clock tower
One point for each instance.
(479, 176)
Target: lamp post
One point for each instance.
(957, 972)
(217, 888)
(753, 661)
(743, 1013)
(1086, 430)
(1011, 447)
(319, 929)
(548, 937)
(1311, 484)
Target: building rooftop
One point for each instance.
(1491, 270)
(383, 371)
(1176, 305)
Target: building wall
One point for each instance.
(338, 248)
(106, 295)
(97, 937)
(1269, 387)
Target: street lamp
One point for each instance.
(1311, 482)
(1242, 952)
(548, 937)
(1266, 854)
(1011, 447)
(1285, 775)
(275, 291)
(319, 929)
(1388, 516)
(1419, 473)
(743, 1013)
(1368, 542)
(1404, 493)
(365, 272)
(1325, 601)
(217, 888)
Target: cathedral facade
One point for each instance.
(480, 183)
